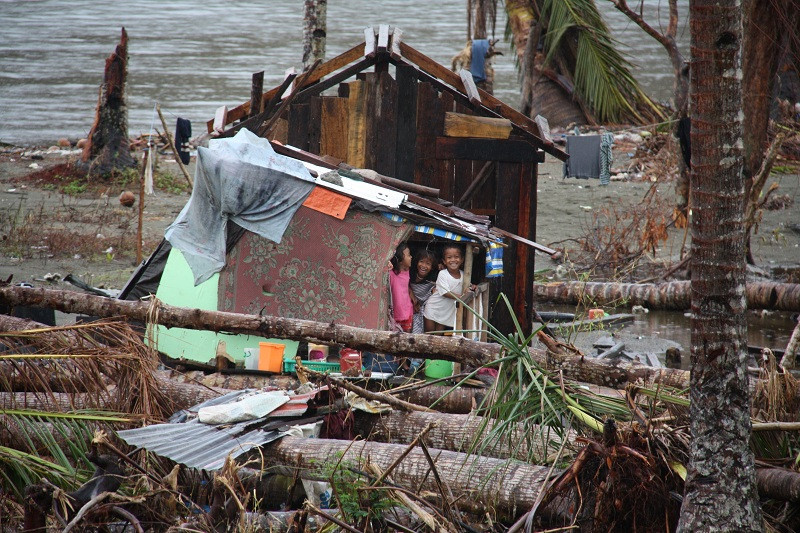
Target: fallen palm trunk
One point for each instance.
(460, 401)
(778, 484)
(453, 432)
(61, 377)
(480, 484)
(674, 295)
(59, 402)
(185, 395)
(25, 433)
(445, 399)
(65, 378)
(450, 348)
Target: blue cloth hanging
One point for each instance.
(477, 67)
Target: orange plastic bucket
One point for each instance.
(270, 356)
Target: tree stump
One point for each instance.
(108, 147)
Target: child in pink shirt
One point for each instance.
(402, 306)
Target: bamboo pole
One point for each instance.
(174, 149)
(140, 222)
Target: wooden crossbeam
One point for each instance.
(505, 150)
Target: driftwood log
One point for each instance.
(674, 295)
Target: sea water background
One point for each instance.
(193, 57)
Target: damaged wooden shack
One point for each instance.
(385, 106)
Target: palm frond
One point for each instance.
(531, 412)
(84, 360)
(44, 446)
(578, 44)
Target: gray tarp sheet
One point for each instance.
(240, 179)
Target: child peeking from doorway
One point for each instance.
(423, 280)
(402, 305)
(440, 310)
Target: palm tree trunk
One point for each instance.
(479, 484)
(720, 490)
(674, 295)
(453, 432)
(314, 31)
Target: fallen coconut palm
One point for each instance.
(672, 295)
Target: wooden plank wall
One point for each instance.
(430, 124)
(406, 126)
(334, 127)
(390, 124)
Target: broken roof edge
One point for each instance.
(328, 67)
(399, 51)
(394, 200)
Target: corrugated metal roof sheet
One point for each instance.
(204, 446)
(197, 445)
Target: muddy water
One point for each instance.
(764, 329)
(194, 57)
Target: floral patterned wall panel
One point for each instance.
(324, 269)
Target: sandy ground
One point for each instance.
(567, 210)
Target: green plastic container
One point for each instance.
(436, 368)
(319, 366)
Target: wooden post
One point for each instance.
(141, 210)
(406, 127)
(525, 255)
(256, 92)
(466, 281)
(507, 218)
(174, 148)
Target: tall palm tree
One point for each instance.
(720, 490)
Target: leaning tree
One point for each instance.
(720, 490)
(770, 55)
(572, 71)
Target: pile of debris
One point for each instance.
(102, 436)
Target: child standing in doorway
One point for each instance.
(402, 306)
(423, 280)
(440, 311)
